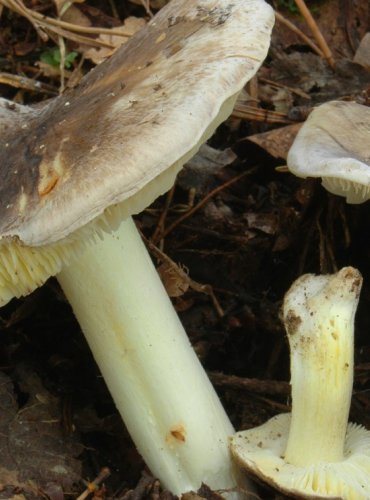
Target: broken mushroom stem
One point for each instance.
(156, 380)
(319, 319)
(312, 452)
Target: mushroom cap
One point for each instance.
(131, 123)
(333, 144)
(260, 451)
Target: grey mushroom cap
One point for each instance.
(80, 163)
(131, 123)
(333, 144)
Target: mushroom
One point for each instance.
(313, 452)
(333, 144)
(72, 172)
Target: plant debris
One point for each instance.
(229, 240)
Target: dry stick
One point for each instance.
(280, 407)
(157, 235)
(43, 24)
(17, 6)
(62, 48)
(23, 82)
(205, 200)
(315, 31)
(114, 9)
(146, 5)
(247, 112)
(183, 275)
(83, 40)
(345, 227)
(252, 87)
(271, 387)
(297, 31)
(93, 486)
(278, 85)
(62, 62)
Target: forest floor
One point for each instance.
(234, 222)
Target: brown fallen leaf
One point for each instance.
(63, 5)
(173, 280)
(362, 55)
(277, 141)
(130, 26)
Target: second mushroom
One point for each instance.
(313, 452)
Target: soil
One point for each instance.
(243, 230)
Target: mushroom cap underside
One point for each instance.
(260, 451)
(142, 112)
(333, 144)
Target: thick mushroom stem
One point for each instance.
(319, 319)
(157, 382)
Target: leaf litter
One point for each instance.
(237, 236)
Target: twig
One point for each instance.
(22, 82)
(157, 235)
(247, 112)
(280, 407)
(205, 200)
(114, 9)
(194, 285)
(277, 85)
(94, 485)
(146, 5)
(315, 30)
(68, 30)
(62, 62)
(272, 387)
(17, 6)
(297, 31)
(252, 87)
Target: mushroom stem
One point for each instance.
(156, 380)
(319, 319)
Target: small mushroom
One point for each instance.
(333, 144)
(74, 169)
(313, 452)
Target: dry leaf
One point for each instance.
(277, 141)
(63, 5)
(173, 280)
(362, 55)
(131, 26)
(51, 71)
(74, 16)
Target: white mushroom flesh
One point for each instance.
(163, 394)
